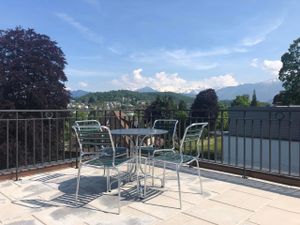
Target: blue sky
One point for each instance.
(169, 45)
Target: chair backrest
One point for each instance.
(90, 134)
(171, 126)
(191, 141)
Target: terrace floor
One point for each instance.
(48, 198)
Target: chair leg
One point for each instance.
(199, 174)
(164, 175)
(153, 173)
(149, 163)
(108, 187)
(78, 181)
(145, 178)
(119, 193)
(179, 188)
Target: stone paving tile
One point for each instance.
(188, 196)
(267, 189)
(291, 204)
(162, 207)
(63, 215)
(49, 198)
(25, 220)
(128, 216)
(270, 215)
(242, 200)
(248, 223)
(181, 219)
(14, 211)
(217, 186)
(25, 189)
(108, 202)
(218, 213)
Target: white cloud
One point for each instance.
(273, 66)
(254, 62)
(83, 84)
(251, 41)
(196, 59)
(262, 35)
(85, 31)
(163, 81)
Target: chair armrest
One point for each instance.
(163, 150)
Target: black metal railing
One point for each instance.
(264, 140)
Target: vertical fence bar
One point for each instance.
(236, 142)
(25, 139)
(279, 146)
(49, 140)
(299, 153)
(33, 136)
(244, 145)
(56, 135)
(42, 138)
(76, 146)
(290, 139)
(252, 143)
(215, 140)
(260, 144)
(270, 143)
(208, 140)
(17, 146)
(63, 128)
(70, 139)
(222, 136)
(229, 140)
(7, 143)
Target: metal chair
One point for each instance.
(189, 151)
(169, 139)
(97, 149)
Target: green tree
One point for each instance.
(160, 108)
(280, 99)
(254, 101)
(289, 74)
(182, 105)
(241, 100)
(92, 99)
(31, 71)
(205, 106)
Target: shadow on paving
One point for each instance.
(91, 188)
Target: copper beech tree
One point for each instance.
(31, 71)
(31, 77)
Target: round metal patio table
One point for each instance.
(139, 135)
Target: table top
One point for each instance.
(138, 131)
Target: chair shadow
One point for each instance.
(91, 188)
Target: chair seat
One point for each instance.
(146, 150)
(108, 151)
(173, 157)
(106, 161)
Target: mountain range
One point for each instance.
(265, 91)
(78, 93)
